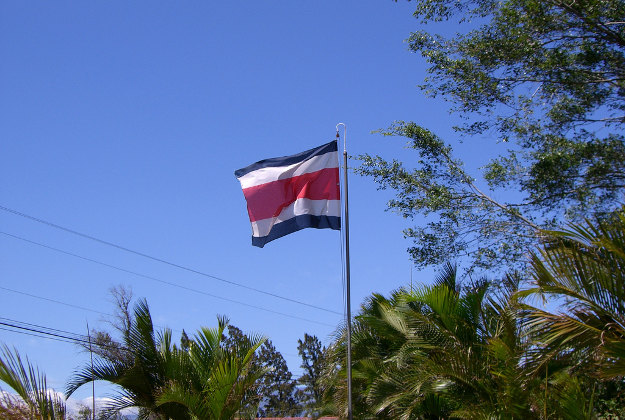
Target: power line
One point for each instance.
(33, 330)
(60, 338)
(36, 335)
(71, 305)
(41, 331)
(56, 331)
(141, 254)
(154, 279)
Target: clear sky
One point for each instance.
(125, 121)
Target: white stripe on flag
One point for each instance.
(298, 207)
(270, 174)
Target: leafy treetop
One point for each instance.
(547, 77)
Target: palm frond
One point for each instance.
(585, 267)
(31, 385)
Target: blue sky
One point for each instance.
(126, 120)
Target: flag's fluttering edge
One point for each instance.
(290, 193)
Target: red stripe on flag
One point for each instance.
(268, 200)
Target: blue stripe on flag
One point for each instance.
(297, 223)
(288, 160)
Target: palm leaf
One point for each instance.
(584, 266)
(30, 385)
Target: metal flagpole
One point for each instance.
(348, 316)
(92, 376)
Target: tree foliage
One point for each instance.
(464, 221)
(209, 380)
(212, 380)
(30, 385)
(310, 393)
(274, 392)
(101, 342)
(140, 376)
(276, 386)
(86, 413)
(446, 351)
(584, 267)
(547, 77)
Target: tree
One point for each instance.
(310, 395)
(545, 76)
(102, 343)
(276, 386)
(234, 339)
(274, 393)
(148, 369)
(185, 342)
(13, 407)
(583, 267)
(444, 351)
(212, 380)
(122, 314)
(30, 385)
(85, 413)
(209, 380)
(464, 221)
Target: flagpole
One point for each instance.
(348, 316)
(92, 376)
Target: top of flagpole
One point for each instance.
(344, 135)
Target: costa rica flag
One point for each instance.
(290, 193)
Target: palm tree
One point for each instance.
(211, 380)
(167, 382)
(31, 386)
(139, 377)
(440, 351)
(412, 350)
(584, 268)
(460, 356)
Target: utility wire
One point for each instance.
(56, 331)
(66, 304)
(54, 334)
(157, 280)
(141, 254)
(71, 305)
(69, 341)
(41, 331)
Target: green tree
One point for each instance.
(185, 342)
(544, 76)
(236, 338)
(207, 381)
(310, 393)
(444, 351)
(30, 385)
(140, 376)
(584, 268)
(274, 393)
(276, 386)
(85, 413)
(212, 380)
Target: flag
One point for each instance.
(291, 193)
